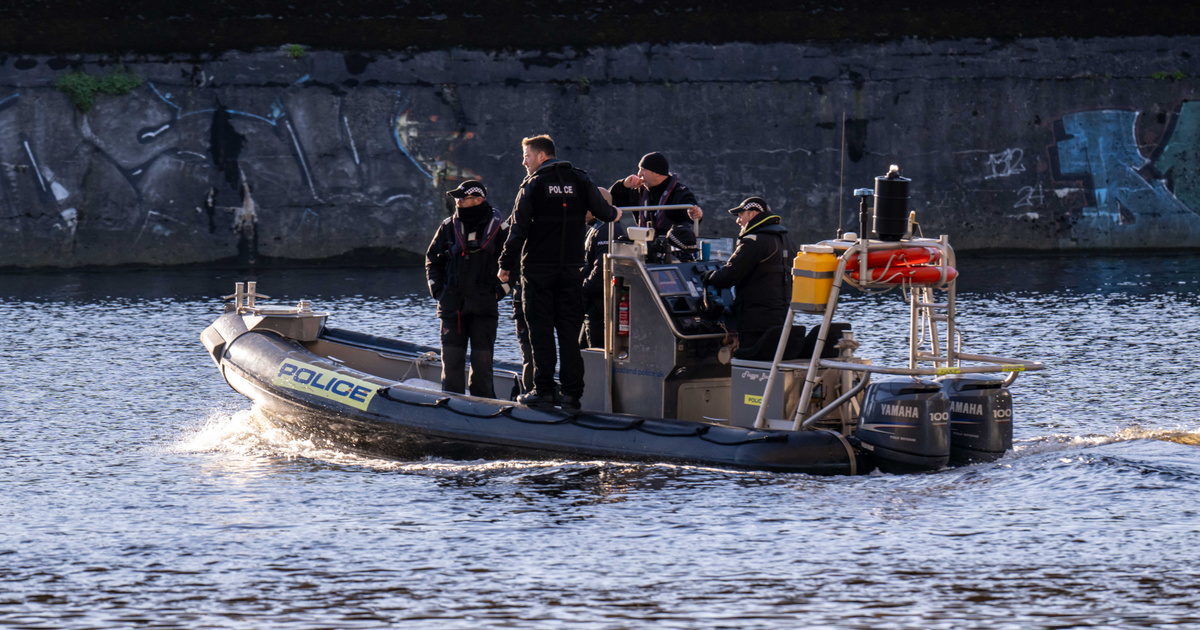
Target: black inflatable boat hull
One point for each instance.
(389, 419)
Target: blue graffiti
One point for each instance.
(1100, 146)
(276, 112)
(1179, 159)
(396, 122)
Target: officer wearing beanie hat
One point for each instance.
(655, 185)
(759, 270)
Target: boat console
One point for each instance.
(666, 337)
(683, 295)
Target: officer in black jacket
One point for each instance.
(594, 248)
(759, 271)
(655, 185)
(545, 243)
(461, 265)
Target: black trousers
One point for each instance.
(552, 299)
(457, 331)
(592, 334)
(526, 383)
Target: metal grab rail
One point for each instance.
(678, 206)
(1014, 366)
(843, 399)
(921, 307)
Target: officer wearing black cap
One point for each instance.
(461, 265)
(759, 271)
(655, 185)
(546, 244)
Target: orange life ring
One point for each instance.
(898, 257)
(914, 275)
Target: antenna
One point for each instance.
(842, 181)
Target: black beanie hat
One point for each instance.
(655, 163)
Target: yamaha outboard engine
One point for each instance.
(905, 425)
(980, 418)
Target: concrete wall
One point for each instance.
(256, 157)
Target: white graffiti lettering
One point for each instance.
(1005, 163)
(1027, 195)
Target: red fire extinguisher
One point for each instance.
(623, 313)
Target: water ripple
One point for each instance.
(140, 490)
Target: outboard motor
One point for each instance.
(905, 425)
(980, 418)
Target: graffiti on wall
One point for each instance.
(1008, 168)
(1178, 159)
(1098, 150)
(1005, 164)
(154, 156)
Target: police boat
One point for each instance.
(666, 387)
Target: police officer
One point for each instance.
(594, 248)
(759, 271)
(545, 243)
(461, 265)
(655, 185)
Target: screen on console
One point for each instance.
(668, 281)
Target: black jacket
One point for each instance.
(548, 218)
(760, 273)
(461, 262)
(668, 193)
(595, 246)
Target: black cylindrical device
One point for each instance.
(891, 205)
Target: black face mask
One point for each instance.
(475, 214)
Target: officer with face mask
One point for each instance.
(461, 265)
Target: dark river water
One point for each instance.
(138, 490)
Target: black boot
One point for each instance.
(535, 399)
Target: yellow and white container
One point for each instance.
(812, 277)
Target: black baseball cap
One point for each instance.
(751, 203)
(471, 187)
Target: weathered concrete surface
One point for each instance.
(156, 27)
(1030, 144)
